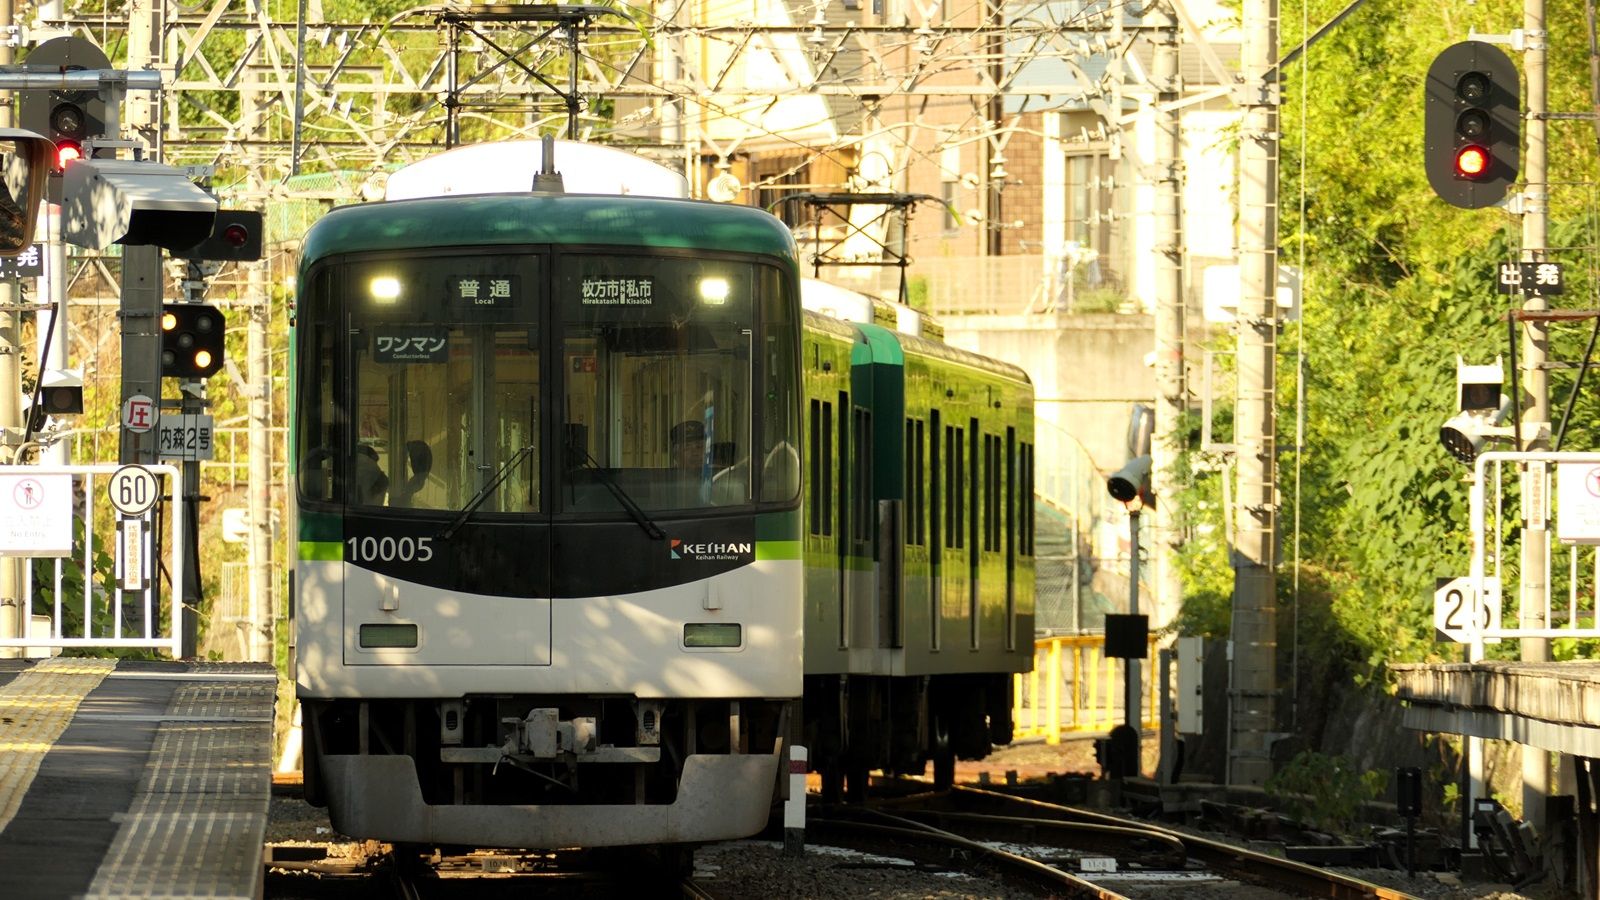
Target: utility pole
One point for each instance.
(260, 489)
(1169, 311)
(262, 614)
(1253, 684)
(1535, 345)
(13, 606)
(57, 322)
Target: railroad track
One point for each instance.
(1082, 839)
(301, 873)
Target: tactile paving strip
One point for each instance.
(199, 813)
(35, 708)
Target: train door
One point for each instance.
(1011, 538)
(936, 533)
(446, 483)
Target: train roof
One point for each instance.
(518, 219)
(893, 346)
(508, 167)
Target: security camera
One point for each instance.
(1131, 481)
(1464, 433)
(1478, 387)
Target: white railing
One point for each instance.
(106, 615)
(1566, 567)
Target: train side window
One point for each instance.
(994, 487)
(1011, 490)
(922, 484)
(861, 509)
(907, 479)
(1027, 499)
(321, 408)
(988, 492)
(844, 465)
(952, 500)
(934, 495)
(972, 478)
(779, 419)
(814, 498)
(958, 497)
(828, 455)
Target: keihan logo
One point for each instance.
(708, 550)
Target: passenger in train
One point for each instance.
(368, 482)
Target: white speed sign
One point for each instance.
(133, 490)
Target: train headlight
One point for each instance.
(713, 291)
(385, 289)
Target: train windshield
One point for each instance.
(426, 384)
(657, 381)
(442, 385)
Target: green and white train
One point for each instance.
(585, 501)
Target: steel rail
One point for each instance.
(931, 846)
(1237, 862)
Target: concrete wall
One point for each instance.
(1087, 370)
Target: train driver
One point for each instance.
(688, 439)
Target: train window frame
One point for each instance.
(763, 273)
(332, 302)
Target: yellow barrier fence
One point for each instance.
(1081, 695)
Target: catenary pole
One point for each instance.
(1169, 315)
(1535, 535)
(12, 603)
(1253, 681)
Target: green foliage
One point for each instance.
(1325, 791)
(1397, 284)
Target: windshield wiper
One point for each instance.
(483, 492)
(634, 510)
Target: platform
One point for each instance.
(1551, 705)
(127, 778)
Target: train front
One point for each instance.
(549, 590)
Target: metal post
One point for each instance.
(1167, 593)
(13, 605)
(1535, 536)
(1167, 765)
(1130, 666)
(193, 404)
(56, 321)
(262, 614)
(1253, 686)
(141, 345)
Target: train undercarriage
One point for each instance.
(546, 771)
(857, 723)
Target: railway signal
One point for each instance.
(67, 118)
(191, 340)
(1473, 122)
(236, 236)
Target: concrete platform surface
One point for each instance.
(123, 778)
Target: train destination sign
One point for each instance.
(479, 292)
(397, 344)
(618, 292)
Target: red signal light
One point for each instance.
(1472, 161)
(68, 151)
(236, 235)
